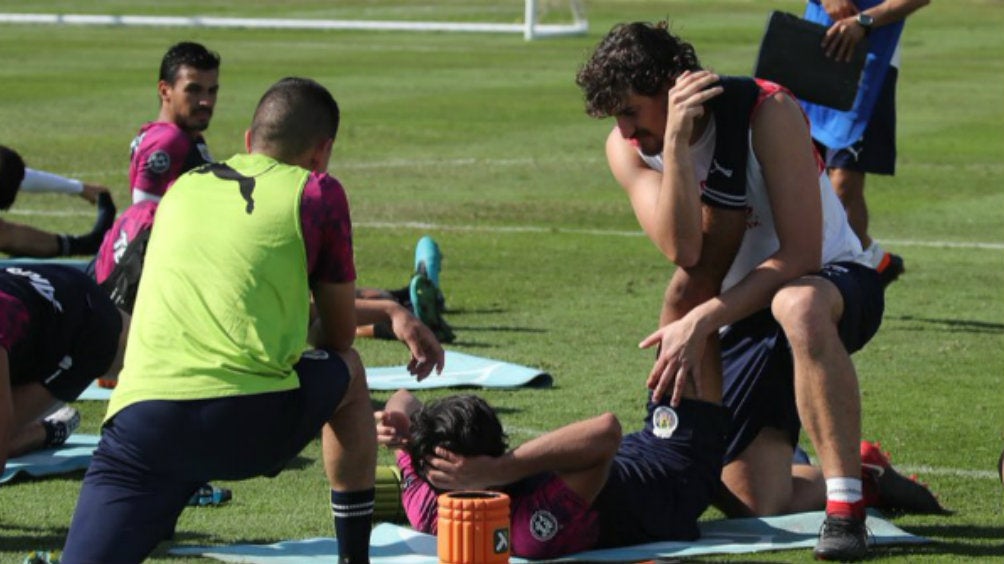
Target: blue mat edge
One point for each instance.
(63, 466)
(230, 553)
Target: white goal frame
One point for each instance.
(530, 27)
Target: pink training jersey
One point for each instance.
(324, 219)
(547, 519)
(134, 219)
(158, 155)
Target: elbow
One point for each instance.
(813, 260)
(683, 255)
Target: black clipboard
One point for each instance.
(792, 56)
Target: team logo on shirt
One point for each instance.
(543, 525)
(664, 422)
(158, 162)
(717, 168)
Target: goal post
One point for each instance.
(530, 27)
(533, 30)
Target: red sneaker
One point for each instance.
(885, 488)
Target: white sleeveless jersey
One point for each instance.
(760, 241)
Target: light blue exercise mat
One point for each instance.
(392, 544)
(461, 371)
(74, 455)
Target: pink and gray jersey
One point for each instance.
(324, 219)
(135, 219)
(547, 518)
(58, 328)
(158, 155)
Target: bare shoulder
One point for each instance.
(779, 107)
(623, 158)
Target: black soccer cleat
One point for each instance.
(842, 539)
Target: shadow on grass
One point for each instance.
(299, 463)
(967, 540)
(497, 329)
(955, 324)
(468, 310)
(27, 539)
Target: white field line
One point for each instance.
(921, 471)
(980, 245)
(925, 470)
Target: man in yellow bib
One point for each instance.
(218, 383)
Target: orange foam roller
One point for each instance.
(473, 527)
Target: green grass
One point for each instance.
(483, 139)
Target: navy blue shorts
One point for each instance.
(758, 383)
(875, 152)
(154, 454)
(664, 476)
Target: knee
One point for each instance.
(805, 316)
(357, 372)
(741, 498)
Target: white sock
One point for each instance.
(847, 490)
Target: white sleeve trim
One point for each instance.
(41, 181)
(141, 196)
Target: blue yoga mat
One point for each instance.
(391, 544)
(461, 370)
(74, 455)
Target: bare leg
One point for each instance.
(850, 188)
(808, 489)
(349, 449)
(760, 478)
(826, 384)
(349, 438)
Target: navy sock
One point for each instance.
(353, 515)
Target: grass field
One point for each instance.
(481, 141)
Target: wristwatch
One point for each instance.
(865, 21)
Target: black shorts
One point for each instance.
(875, 152)
(758, 374)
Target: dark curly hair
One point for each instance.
(637, 58)
(11, 176)
(464, 424)
(188, 54)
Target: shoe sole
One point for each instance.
(425, 306)
(428, 259)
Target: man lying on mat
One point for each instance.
(579, 487)
(583, 485)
